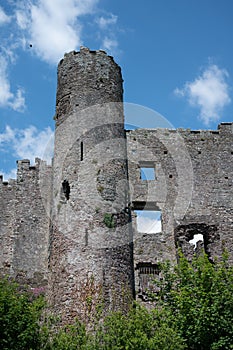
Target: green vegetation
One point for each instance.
(20, 313)
(109, 220)
(140, 329)
(100, 188)
(199, 296)
(193, 310)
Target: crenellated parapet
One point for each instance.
(25, 168)
(6, 183)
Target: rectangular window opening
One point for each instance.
(147, 173)
(147, 170)
(147, 274)
(149, 221)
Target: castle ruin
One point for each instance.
(72, 227)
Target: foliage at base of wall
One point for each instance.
(20, 312)
(193, 310)
(199, 296)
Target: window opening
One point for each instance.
(196, 238)
(81, 147)
(149, 221)
(147, 274)
(147, 173)
(66, 189)
(198, 234)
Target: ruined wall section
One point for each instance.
(211, 208)
(193, 169)
(7, 215)
(147, 148)
(32, 222)
(24, 225)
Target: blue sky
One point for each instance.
(176, 58)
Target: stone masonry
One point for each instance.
(72, 228)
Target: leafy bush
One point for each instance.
(20, 312)
(199, 296)
(193, 310)
(140, 329)
(72, 337)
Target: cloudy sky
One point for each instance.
(176, 58)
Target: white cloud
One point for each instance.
(3, 17)
(104, 22)
(209, 92)
(18, 103)
(53, 27)
(9, 175)
(28, 143)
(110, 45)
(22, 18)
(7, 98)
(109, 41)
(7, 136)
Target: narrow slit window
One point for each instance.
(149, 221)
(66, 189)
(147, 173)
(81, 151)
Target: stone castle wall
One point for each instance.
(72, 226)
(193, 189)
(24, 226)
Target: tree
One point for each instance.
(199, 296)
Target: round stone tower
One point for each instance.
(91, 263)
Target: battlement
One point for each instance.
(24, 167)
(85, 51)
(25, 164)
(86, 55)
(222, 129)
(226, 127)
(8, 183)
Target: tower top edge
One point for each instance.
(84, 51)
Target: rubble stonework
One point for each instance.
(25, 225)
(72, 227)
